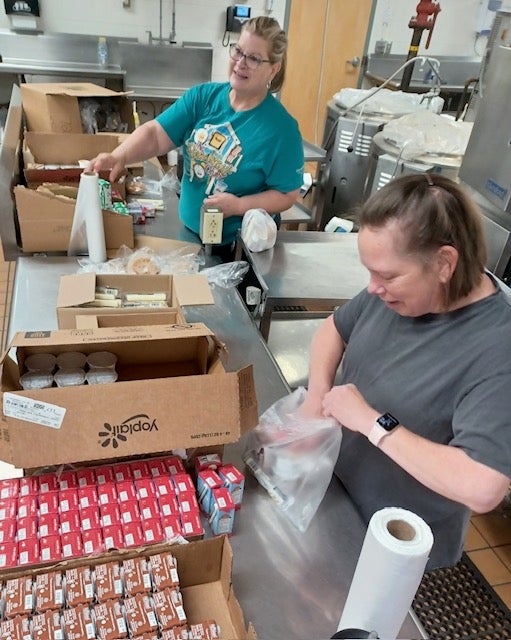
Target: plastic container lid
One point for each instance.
(102, 360)
(40, 362)
(71, 360)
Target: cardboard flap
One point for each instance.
(249, 415)
(193, 289)
(78, 90)
(76, 289)
(66, 148)
(5, 442)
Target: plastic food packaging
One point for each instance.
(293, 457)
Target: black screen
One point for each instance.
(22, 7)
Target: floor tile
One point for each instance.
(474, 539)
(495, 528)
(491, 566)
(504, 593)
(504, 554)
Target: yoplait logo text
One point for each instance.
(113, 435)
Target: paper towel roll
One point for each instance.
(87, 231)
(388, 573)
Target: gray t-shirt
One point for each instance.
(446, 377)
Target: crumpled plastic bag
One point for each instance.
(385, 102)
(293, 458)
(258, 230)
(425, 133)
(227, 275)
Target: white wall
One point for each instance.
(204, 21)
(454, 32)
(196, 20)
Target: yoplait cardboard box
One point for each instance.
(77, 293)
(172, 392)
(56, 106)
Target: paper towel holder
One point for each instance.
(351, 634)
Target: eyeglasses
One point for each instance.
(252, 62)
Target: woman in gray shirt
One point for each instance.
(425, 355)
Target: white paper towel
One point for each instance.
(87, 231)
(388, 573)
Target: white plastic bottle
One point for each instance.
(102, 51)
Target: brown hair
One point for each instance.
(433, 211)
(269, 29)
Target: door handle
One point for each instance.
(355, 62)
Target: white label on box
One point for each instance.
(43, 413)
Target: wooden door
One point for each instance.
(324, 36)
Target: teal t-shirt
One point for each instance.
(242, 153)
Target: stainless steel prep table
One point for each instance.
(289, 584)
(311, 269)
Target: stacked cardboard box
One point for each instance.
(53, 146)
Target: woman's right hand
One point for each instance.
(105, 161)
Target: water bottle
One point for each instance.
(102, 52)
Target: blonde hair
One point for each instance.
(269, 30)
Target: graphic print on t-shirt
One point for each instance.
(215, 152)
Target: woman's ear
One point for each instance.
(447, 260)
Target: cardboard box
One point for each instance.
(172, 392)
(54, 157)
(79, 289)
(55, 106)
(205, 579)
(45, 222)
(134, 319)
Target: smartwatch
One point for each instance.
(382, 427)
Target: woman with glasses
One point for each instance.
(424, 398)
(241, 149)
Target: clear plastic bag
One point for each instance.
(146, 261)
(293, 458)
(227, 275)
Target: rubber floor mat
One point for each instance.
(458, 603)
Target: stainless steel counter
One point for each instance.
(312, 269)
(290, 585)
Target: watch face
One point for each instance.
(387, 421)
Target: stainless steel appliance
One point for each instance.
(347, 140)
(486, 166)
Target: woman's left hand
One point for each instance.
(228, 203)
(348, 406)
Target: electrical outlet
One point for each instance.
(212, 220)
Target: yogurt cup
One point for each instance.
(101, 360)
(36, 380)
(69, 377)
(40, 362)
(71, 360)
